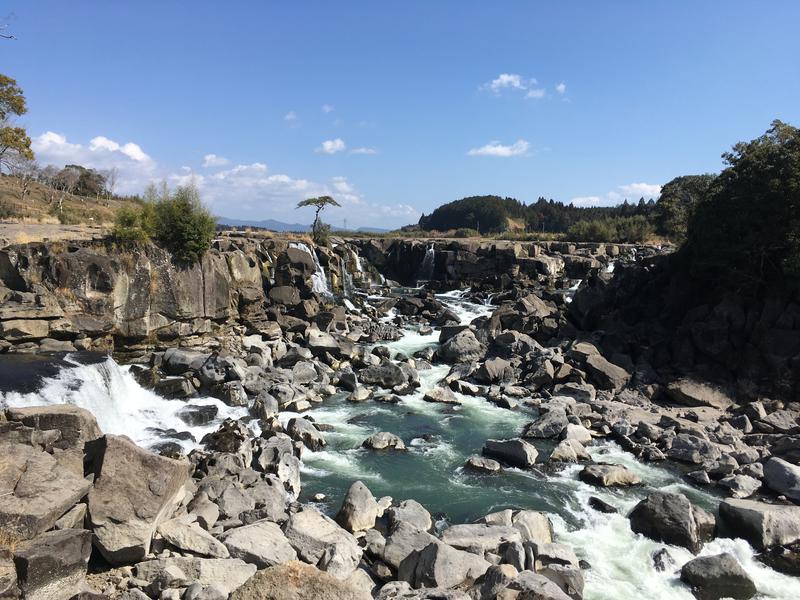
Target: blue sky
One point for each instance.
(397, 107)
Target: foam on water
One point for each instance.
(120, 405)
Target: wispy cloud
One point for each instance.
(214, 160)
(518, 148)
(508, 81)
(327, 108)
(561, 88)
(332, 146)
(536, 93)
(364, 150)
(631, 192)
(290, 116)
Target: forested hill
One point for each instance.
(493, 214)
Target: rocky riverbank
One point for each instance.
(263, 342)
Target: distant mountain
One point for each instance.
(274, 225)
(270, 224)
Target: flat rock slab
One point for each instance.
(297, 581)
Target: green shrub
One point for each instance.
(129, 227)
(183, 225)
(466, 232)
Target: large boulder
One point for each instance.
(533, 526)
(605, 374)
(191, 538)
(384, 440)
(35, 490)
(763, 525)
(303, 430)
(320, 541)
(411, 512)
(297, 581)
(359, 509)
(529, 584)
(52, 566)
(405, 539)
(387, 375)
(225, 574)
(548, 425)
(479, 538)
(688, 392)
(261, 543)
(439, 565)
(693, 449)
(783, 477)
(77, 425)
(462, 347)
(608, 476)
(672, 519)
(134, 491)
(516, 452)
(717, 577)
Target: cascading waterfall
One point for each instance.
(119, 403)
(428, 263)
(319, 280)
(347, 279)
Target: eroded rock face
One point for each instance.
(53, 565)
(35, 489)
(133, 492)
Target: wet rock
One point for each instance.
(672, 519)
(663, 561)
(53, 565)
(569, 451)
(549, 425)
(763, 525)
(261, 543)
(359, 509)
(386, 375)
(578, 433)
(134, 491)
(384, 441)
(196, 415)
(439, 565)
(716, 577)
(601, 505)
(303, 430)
(483, 464)
(516, 452)
(462, 347)
(494, 370)
(410, 512)
(441, 395)
(320, 541)
(297, 581)
(783, 478)
(609, 476)
(553, 554)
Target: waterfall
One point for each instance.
(428, 264)
(319, 281)
(347, 279)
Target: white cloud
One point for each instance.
(641, 190)
(630, 192)
(561, 88)
(497, 149)
(332, 146)
(290, 116)
(509, 81)
(134, 166)
(364, 150)
(214, 160)
(536, 93)
(327, 108)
